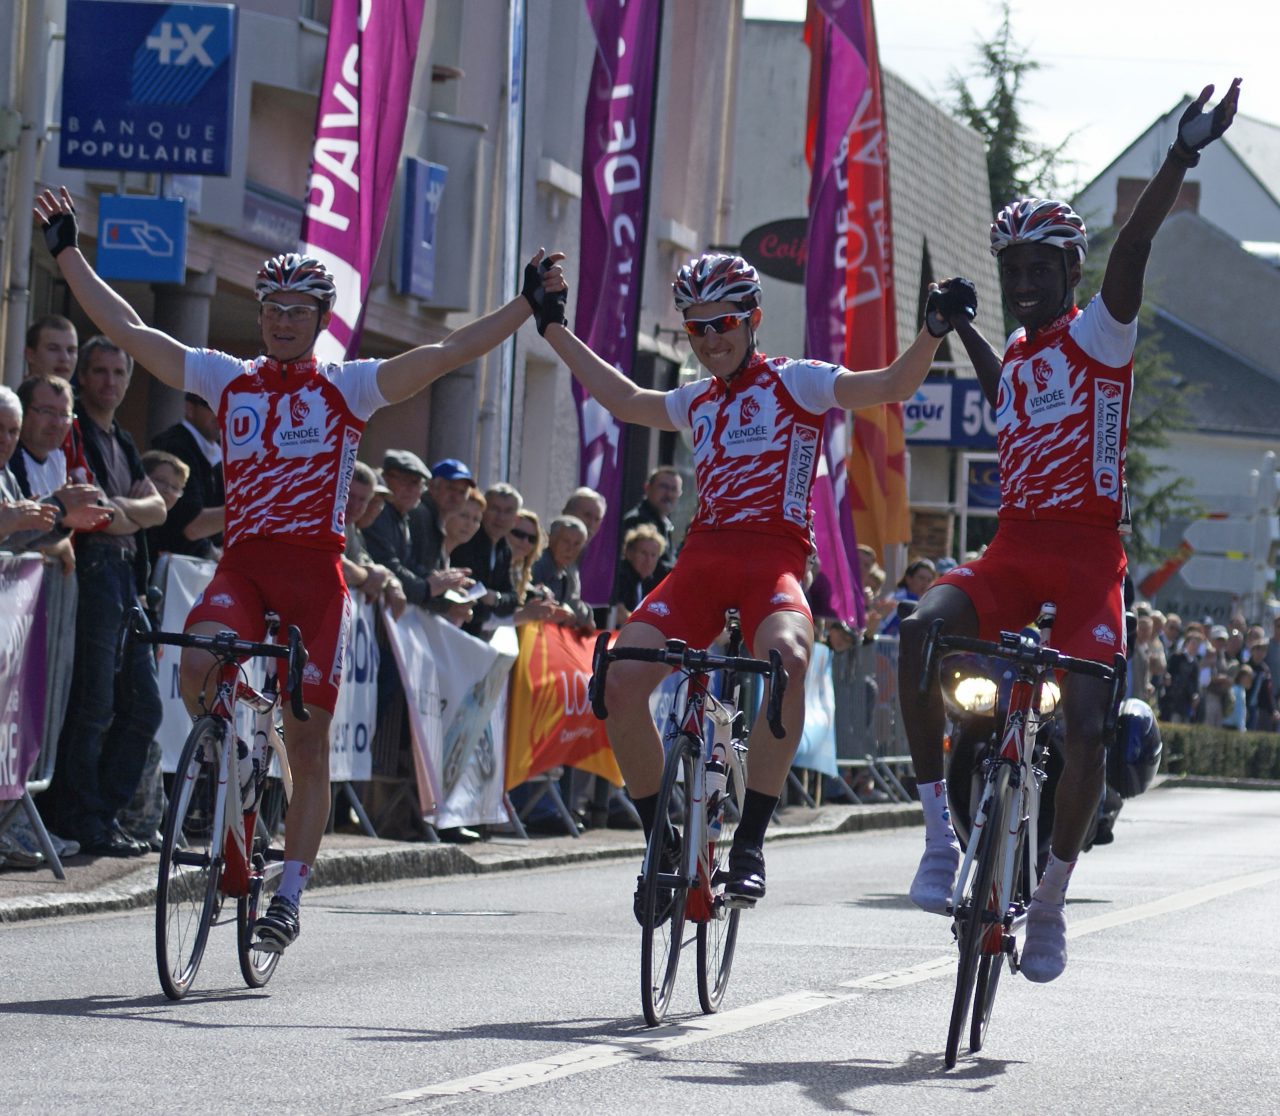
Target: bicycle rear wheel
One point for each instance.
(660, 944)
(718, 936)
(256, 965)
(187, 897)
(974, 918)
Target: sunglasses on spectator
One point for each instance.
(700, 327)
(527, 536)
(52, 412)
(298, 313)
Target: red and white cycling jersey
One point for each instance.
(1062, 418)
(756, 443)
(289, 439)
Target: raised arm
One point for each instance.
(855, 390)
(157, 352)
(1122, 284)
(404, 376)
(606, 385)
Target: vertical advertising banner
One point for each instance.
(364, 102)
(616, 145)
(850, 315)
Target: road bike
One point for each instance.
(703, 780)
(999, 872)
(217, 843)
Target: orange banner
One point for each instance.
(549, 719)
(878, 477)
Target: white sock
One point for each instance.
(1052, 889)
(937, 818)
(293, 881)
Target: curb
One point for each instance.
(390, 862)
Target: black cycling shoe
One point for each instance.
(278, 928)
(666, 897)
(743, 879)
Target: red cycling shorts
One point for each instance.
(1080, 568)
(756, 573)
(303, 586)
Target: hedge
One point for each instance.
(1223, 753)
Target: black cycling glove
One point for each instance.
(1196, 129)
(60, 233)
(547, 306)
(952, 298)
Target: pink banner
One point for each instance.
(617, 136)
(837, 84)
(364, 101)
(22, 672)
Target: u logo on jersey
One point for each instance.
(246, 418)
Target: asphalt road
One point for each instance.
(518, 993)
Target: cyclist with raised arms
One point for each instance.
(290, 432)
(757, 431)
(1062, 394)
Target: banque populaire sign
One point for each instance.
(148, 87)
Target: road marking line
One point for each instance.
(628, 1048)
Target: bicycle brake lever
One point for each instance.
(297, 662)
(599, 670)
(777, 689)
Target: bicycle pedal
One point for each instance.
(738, 903)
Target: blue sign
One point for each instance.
(142, 238)
(423, 189)
(148, 87)
(983, 484)
(950, 413)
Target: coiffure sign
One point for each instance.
(148, 87)
(778, 248)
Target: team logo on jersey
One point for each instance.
(659, 608)
(802, 460)
(311, 674)
(1047, 379)
(749, 409)
(245, 420)
(346, 468)
(1103, 634)
(302, 421)
(780, 598)
(1041, 372)
(222, 600)
(299, 409)
(757, 421)
(1108, 420)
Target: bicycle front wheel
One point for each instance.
(974, 919)
(661, 938)
(718, 936)
(187, 895)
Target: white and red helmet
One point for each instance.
(294, 272)
(714, 277)
(1039, 221)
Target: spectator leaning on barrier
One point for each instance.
(111, 717)
(526, 541)
(377, 583)
(194, 526)
(488, 556)
(557, 569)
(286, 486)
(642, 548)
(460, 527)
(24, 523)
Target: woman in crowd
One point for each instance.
(915, 581)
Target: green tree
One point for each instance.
(1017, 166)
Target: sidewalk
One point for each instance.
(97, 884)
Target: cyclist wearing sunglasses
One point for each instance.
(757, 431)
(1062, 395)
(291, 428)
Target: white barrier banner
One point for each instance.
(351, 732)
(454, 684)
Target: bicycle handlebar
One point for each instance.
(1016, 648)
(677, 654)
(226, 646)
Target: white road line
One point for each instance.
(629, 1048)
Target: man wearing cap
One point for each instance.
(194, 525)
(405, 539)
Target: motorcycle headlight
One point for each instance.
(974, 694)
(1049, 695)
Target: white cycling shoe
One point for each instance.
(935, 879)
(1044, 956)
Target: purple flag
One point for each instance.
(22, 669)
(617, 135)
(364, 101)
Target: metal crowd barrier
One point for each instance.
(869, 730)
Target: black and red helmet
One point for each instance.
(294, 272)
(1039, 221)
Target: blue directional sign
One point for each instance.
(423, 189)
(950, 413)
(142, 238)
(148, 87)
